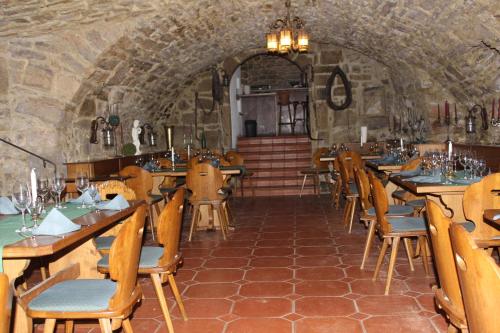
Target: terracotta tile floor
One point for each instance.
(291, 267)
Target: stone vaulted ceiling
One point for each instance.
(150, 48)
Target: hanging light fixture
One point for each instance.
(287, 34)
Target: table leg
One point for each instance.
(451, 203)
(15, 268)
(86, 254)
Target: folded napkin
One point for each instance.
(408, 173)
(7, 207)
(426, 179)
(85, 198)
(496, 217)
(465, 181)
(55, 223)
(118, 203)
(385, 160)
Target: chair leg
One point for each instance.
(381, 256)
(151, 224)
(338, 193)
(347, 210)
(303, 184)
(222, 219)
(318, 182)
(177, 295)
(423, 247)
(369, 241)
(155, 277)
(127, 327)
(290, 120)
(105, 325)
(392, 262)
(409, 252)
(353, 210)
(279, 121)
(68, 326)
(49, 325)
(194, 221)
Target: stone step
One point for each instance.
(254, 148)
(268, 140)
(298, 163)
(277, 155)
(277, 181)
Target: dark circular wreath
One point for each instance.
(347, 87)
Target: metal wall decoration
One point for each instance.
(347, 87)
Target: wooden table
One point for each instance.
(364, 157)
(449, 197)
(387, 169)
(62, 251)
(488, 217)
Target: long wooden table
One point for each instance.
(449, 197)
(333, 158)
(62, 251)
(489, 215)
(387, 169)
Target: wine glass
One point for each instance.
(463, 160)
(93, 191)
(58, 186)
(43, 190)
(481, 167)
(36, 209)
(82, 184)
(21, 197)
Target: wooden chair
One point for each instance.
(368, 214)
(168, 185)
(336, 184)
(405, 197)
(6, 300)
(62, 296)
(448, 296)
(393, 229)
(477, 198)
(235, 159)
(161, 262)
(205, 181)
(318, 168)
(110, 189)
(347, 160)
(479, 278)
(284, 101)
(141, 181)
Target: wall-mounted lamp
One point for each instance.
(108, 134)
(151, 134)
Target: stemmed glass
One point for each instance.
(21, 197)
(82, 184)
(43, 190)
(36, 209)
(93, 191)
(464, 162)
(58, 186)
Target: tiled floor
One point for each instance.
(289, 267)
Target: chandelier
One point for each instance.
(287, 34)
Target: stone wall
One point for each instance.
(63, 62)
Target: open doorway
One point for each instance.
(270, 90)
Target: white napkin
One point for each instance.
(55, 223)
(496, 217)
(7, 207)
(118, 203)
(85, 198)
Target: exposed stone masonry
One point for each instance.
(62, 62)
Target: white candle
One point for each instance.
(401, 143)
(173, 157)
(34, 193)
(450, 149)
(189, 152)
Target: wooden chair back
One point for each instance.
(114, 187)
(363, 185)
(124, 258)
(169, 228)
(412, 164)
(479, 278)
(6, 303)
(283, 97)
(141, 181)
(439, 229)
(316, 158)
(430, 147)
(350, 159)
(204, 181)
(234, 158)
(380, 203)
(478, 197)
(165, 163)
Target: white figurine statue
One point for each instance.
(136, 130)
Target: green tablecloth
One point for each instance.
(10, 223)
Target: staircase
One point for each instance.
(276, 162)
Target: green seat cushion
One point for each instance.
(400, 194)
(469, 226)
(75, 296)
(104, 242)
(401, 224)
(416, 203)
(353, 188)
(394, 210)
(149, 257)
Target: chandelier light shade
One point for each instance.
(291, 33)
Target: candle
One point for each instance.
(447, 112)
(189, 151)
(439, 114)
(456, 114)
(450, 149)
(493, 109)
(34, 193)
(172, 155)
(401, 143)
(498, 114)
